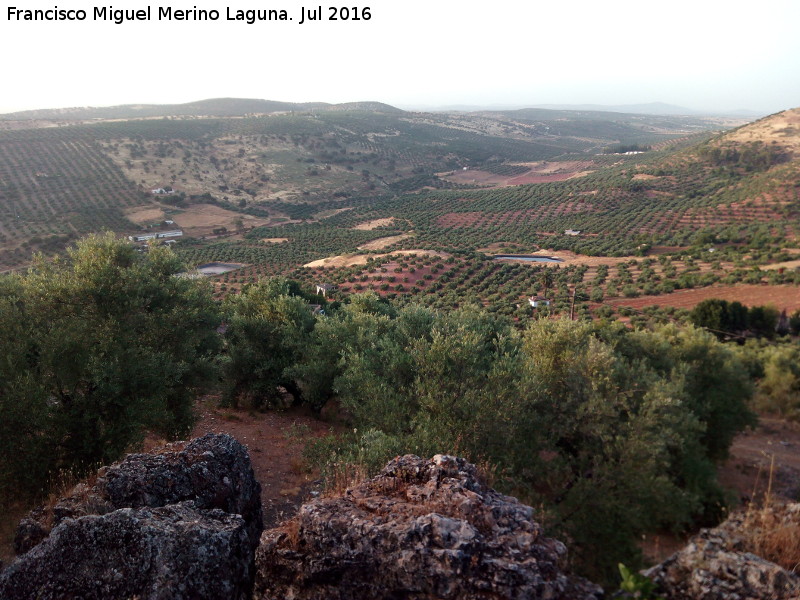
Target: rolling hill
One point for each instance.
(283, 189)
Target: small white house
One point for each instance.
(572, 232)
(538, 301)
(324, 288)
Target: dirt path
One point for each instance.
(770, 451)
(275, 441)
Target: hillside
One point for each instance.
(780, 131)
(65, 177)
(352, 190)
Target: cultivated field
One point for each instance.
(202, 219)
(780, 296)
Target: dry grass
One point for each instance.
(344, 477)
(384, 242)
(202, 219)
(772, 530)
(292, 531)
(350, 260)
(143, 216)
(374, 224)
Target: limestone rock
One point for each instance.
(421, 529)
(175, 551)
(214, 471)
(184, 523)
(716, 565)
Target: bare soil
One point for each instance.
(780, 129)
(275, 441)
(767, 457)
(143, 216)
(349, 260)
(780, 296)
(384, 242)
(374, 224)
(539, 172)
(202, 219)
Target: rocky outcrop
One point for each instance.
(421, 529)
(183, 523)
(214, 471)
(176, 551)
(718, 564)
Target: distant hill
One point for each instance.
(215, 107)
(378, 107)
(651, 108)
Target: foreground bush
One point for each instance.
(611, 432)
(96, 348)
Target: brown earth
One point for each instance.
(349, 260)
(780, 296)
(275, 441)
(539, 172)
(384, 242)
(484, 219)
(766, 458)
(143, 216)
(374, 224)
(202, 219)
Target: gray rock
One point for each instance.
(421, 529)
(717, 565)
(176, 552)
(184, 523)
(214, 471)
(31, 530)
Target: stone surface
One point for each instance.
(183, 523)
(214, 471)
(176, 551)
(422, 529)
(717, 565)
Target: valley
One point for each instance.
(325, 193)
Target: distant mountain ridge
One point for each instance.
(650, 108)
(214, 107)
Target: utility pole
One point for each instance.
(572, 307)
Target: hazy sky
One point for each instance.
(703, 54)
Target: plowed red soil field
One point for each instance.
(780, 296)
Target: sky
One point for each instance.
(706, 55)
